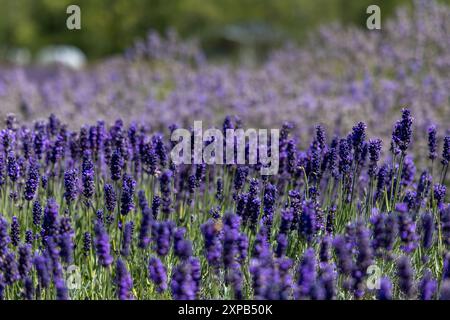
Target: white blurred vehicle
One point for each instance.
(66, 55)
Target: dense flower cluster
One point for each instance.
(107, 198)
(387, 224)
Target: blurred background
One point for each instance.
(223, 27)
(263, 61)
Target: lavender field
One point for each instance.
(92, 205)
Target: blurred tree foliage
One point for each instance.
(109, 26)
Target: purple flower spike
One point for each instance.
(405, 275)
(158, 274)
(110, 197)
(124, 282)
(401, 135)
(307, 275)
(102, 245)
(432, 143)
(71, 185)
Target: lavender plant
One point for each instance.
(107, 198)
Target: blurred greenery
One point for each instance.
(109, 26)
